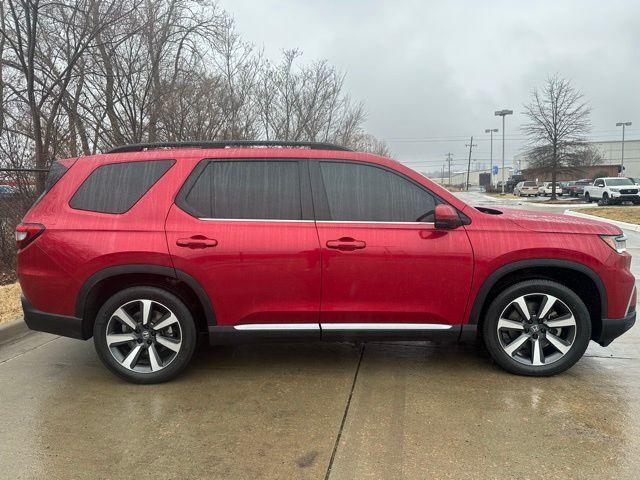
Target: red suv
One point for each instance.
(149, 246)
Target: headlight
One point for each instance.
(616, 242)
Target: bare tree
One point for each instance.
(558, 122)
(45, 41)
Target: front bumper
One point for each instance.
(612, 328)
(51, 322)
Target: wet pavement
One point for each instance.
(321, 410)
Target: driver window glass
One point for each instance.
(600, 183)
(357, 192)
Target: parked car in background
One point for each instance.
(568, 188)
(526, 189)
(635, 180)
(7, 191)
(612, 190)
(305, 242)
(580, 184)
(512, 181)
(546, 189)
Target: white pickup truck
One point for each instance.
(610, 190)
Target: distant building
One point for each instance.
(459, 177)
(610, 150)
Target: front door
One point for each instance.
(383, 262)
(244, 230)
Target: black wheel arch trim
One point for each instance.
(500, 272)
(162, 270)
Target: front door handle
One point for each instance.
(196, 241)
(346, 244)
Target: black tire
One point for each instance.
(187, 328)
(587, 197)
(605, 198)
(567, 297)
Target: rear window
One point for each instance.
(117, 187)
(244, 189)
(56, 172)
(529, 184)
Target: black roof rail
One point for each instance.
(138, 147)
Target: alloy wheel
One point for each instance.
(144, 336)
(536, 329)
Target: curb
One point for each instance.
(13, 330)
(634, 227)
(558, 205)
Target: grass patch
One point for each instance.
(10, 307)
(621, 214)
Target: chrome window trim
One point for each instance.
(385, 326)
(253, 220)
(309, 221)
(374, 221)
(277, 326)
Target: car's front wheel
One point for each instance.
(145, 335)
(537, 328)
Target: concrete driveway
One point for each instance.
(339, 411)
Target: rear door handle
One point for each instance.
(196, 241)
(346, 244)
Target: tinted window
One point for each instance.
(618, 181)
(268, 190)
(116, 187)
(366, 193)
(529, 184)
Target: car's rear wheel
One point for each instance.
(537, 328)
(145, 335)
(587, 197)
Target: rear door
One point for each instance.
(244, 230)
(383, 262)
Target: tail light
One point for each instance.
(27, 233)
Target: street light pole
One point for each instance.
(503, 113)
(623, 125)
(491, 131)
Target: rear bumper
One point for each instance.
(51, 322)
(612, 328)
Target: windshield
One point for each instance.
(619, 181)
(529, 184)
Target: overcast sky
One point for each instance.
(437, 71)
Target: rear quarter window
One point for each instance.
(116, 187)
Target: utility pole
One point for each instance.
(503, 113)
(623, 125)
(470, 145)
(491, 131)
(442, 177)
(449, 155)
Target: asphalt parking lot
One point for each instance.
(338, 411)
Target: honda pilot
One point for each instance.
(149, 247)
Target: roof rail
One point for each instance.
(139, 147)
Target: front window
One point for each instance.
(613, 182)
(358, 192)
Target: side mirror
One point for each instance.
(446, 217)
